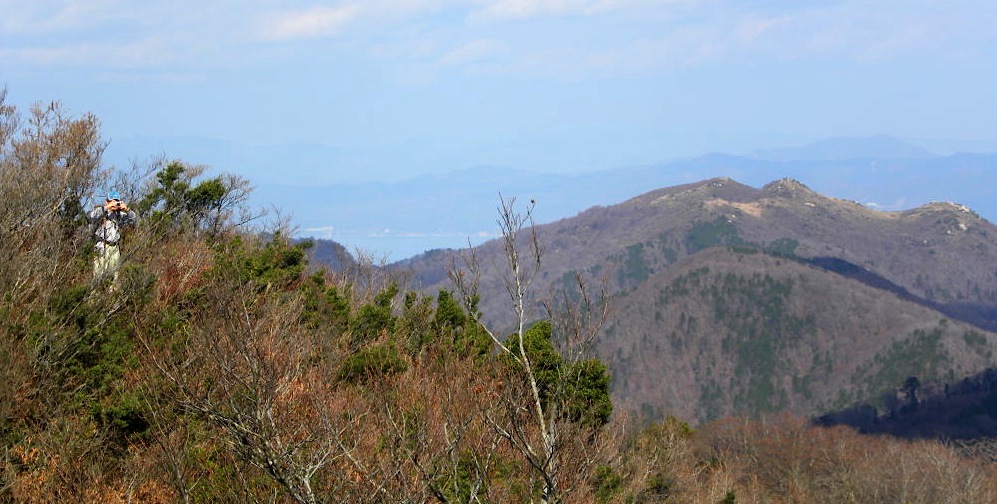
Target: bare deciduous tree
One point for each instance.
(46, 169)
(246, 367)
(536, 425)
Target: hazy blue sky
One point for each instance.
(401, 87)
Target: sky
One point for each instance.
(400, 88)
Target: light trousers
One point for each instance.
(107, 262)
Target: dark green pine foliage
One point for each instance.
(458, 329)
(373, 319)
(371, 363)
(177, 204)
(588, 400)
(546, 362)
(580, 390)
(82, 350)
(373, 356)
(277, 265)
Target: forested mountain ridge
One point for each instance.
(811, 258)
(737, 331)
(941, 251)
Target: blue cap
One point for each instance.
(113, 195)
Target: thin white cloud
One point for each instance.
(108, 36)
(474, 52)
(751, 28)
(906, 39)
(145, 53)
(57, 16)
(679, 47)
(309, 23)
(514, 9)
(876, 31)
(405, 9)
(576, 37)
(504, 10)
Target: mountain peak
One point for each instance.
(724, 188)
(728, 189)
(943, 212)
(718, 181)
(787, 188)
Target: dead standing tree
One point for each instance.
(543, 441)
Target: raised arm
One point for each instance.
(95, 214)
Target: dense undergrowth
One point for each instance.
(223, 367)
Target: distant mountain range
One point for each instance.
(404, 218)
(731, 299)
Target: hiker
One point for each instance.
(106, 223)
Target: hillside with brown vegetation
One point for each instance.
(736, 330)
(222, 367)
(943, 252)
(729, 299)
